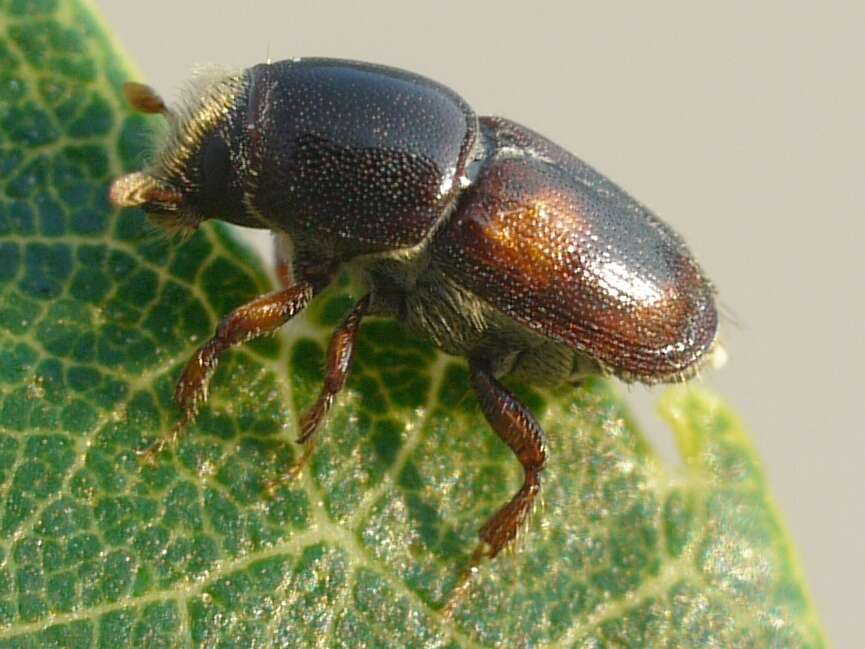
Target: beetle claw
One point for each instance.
(458, 594)
(148, 455)
(294, 470)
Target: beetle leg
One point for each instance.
(262, 316)
(283, 252)
(517, 428)
(283, 274)
(340, 353)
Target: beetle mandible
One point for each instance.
(478, 234)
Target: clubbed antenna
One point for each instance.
(144, 99)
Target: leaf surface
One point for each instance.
(98, 313)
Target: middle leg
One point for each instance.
(340, 353)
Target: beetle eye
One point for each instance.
(214, 166)
(214, 177)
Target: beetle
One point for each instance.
(477, 233)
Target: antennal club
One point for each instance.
(144, 99)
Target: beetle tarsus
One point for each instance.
(459, 592)
(149, 455)
(271, 486)
(191, 390)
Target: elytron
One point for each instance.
(476, 233)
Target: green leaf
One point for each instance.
(98, 313)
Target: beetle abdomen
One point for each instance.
(368, 154)
(558, 247)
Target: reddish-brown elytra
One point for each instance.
(477, 233)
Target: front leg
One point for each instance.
(264, 315)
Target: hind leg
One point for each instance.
(519, 429)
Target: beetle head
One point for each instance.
(196, 173)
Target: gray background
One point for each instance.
(739, 123)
